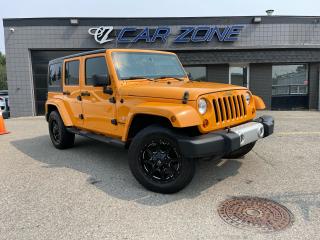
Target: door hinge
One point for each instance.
(81, 116)
(114, 121)
(112, 100)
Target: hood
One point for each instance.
(174, 89)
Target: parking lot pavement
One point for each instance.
(88, 192)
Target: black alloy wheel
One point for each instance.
(55, 131)
(60, 137)
(160, 160)
(156, 161)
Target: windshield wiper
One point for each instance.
(152, 79)
(138, 77)
(163, 77)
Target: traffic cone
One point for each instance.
(2, 126)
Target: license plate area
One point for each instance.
(249, 132)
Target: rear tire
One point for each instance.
(59, 135)
(241, 151)
(157, 163)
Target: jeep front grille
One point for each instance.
(229, 108)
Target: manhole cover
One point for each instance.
(255, 213)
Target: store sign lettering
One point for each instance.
(195, 34)
(101, 34)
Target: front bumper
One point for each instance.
(223, 142)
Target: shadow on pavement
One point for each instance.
(108, 169)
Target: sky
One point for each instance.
(149, 8)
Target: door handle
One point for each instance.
(86, 93)
(66, 93)
(79, 98)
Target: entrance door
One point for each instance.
(98, 107)
(71, 91)
(239, 75)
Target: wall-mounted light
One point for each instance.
(270, 12)
(74, 21)
(257, 20)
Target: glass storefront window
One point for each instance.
(197, 73)
(289, 80)
(239, 75)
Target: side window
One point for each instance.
(72, 73)
(96, 68)
(55, 74)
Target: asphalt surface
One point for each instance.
(88, 192)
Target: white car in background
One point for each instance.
(4, 104)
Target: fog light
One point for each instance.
(261, 132)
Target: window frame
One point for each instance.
(85, 68)
(55, 65)
(57, 87)
(65, 72)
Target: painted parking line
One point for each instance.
(293, 117)
(297, 133)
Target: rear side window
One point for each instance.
(95, 67)
(55, 71)
(72, 73)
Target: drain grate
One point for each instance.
(255, 213)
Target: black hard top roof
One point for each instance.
(58, 60)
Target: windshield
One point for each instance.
(134, 65)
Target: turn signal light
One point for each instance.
(205, 123)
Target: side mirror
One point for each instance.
(100, 81)
(107, 90)
(189, 75)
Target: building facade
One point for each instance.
(277, 57)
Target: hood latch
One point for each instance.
(185, 97)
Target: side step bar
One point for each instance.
(96, 137)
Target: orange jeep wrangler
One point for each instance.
(144, 100)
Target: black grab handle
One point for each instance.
(86, 93)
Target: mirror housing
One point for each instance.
(189, 75)
(100, 81)
(107, 90)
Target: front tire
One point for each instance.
(157, 163)
(59, 135)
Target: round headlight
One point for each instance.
(248, 98)
(202, 106)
